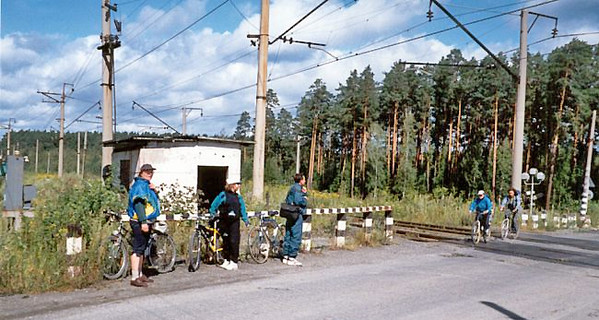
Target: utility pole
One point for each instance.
(78, 152)
(37, 148)
(587, 172)
(297, 155)
(109, 43)
(50, 95)
(9, 129)
(48, 166)
(518, 149)
(61, 135)
(84, 150)
(259, 135)
(185, 113)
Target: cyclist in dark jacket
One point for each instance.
(231, 208)
(513, 203)
(298, 196)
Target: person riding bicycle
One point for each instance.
(143, 208)
(513, 203)
(482, 204)
(231, 208)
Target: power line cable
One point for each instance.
(557, 36)
(352, 55)
(81, 115)
(152, 20)
(171, 38)
(163, 43)
(242, 15)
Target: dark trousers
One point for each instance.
(229, 229)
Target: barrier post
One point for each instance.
(74, 246)
(340, 229)
(389, 225)
(367, 216)
(307, 231)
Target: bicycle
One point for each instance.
(477, 229)
(204, 242)
(266, 239)
(160, 252)
(506, 226)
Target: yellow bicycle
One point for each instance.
(205, 242)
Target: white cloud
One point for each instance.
(198, 65)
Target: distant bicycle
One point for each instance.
(160, 252)
(506, 226)
(266, 239)
(478, 230)
(205, 242)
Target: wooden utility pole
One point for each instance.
(587, 171)
(9, 129)
(78, 153)
(48, 166)
(494, 185)
(109, 43)
(84, 151)
(61, 134)
(63, 96)
(259, 135)
(185, 112)
(37, 149)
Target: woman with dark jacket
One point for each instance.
(230, 206)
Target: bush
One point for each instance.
(34, 258)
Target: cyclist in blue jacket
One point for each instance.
(143, 208)
(231, 208)
(482, 205)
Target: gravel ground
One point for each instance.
(407, 279)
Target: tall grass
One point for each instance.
(34, 257)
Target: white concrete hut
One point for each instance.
(196, 162)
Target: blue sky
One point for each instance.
(47, 43)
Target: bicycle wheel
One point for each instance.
(475, 234)
(194, 252)
(162, 253)
(505, 228)
(114, 258)
(258, 244)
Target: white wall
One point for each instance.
(179, 164)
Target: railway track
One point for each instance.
(535, 246)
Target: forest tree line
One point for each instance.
(442, 128)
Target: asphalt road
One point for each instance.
(406, 280)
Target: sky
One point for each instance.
(196, 54)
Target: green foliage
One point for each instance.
(35, 256)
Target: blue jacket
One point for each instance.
(480, 205)
(297, 195)
(221, 198)
(140, 192)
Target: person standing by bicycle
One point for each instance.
(482, 205)
(297, 196)
(513, 203)
(143, 208)
(231, 207)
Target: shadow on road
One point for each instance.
(503, 310)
